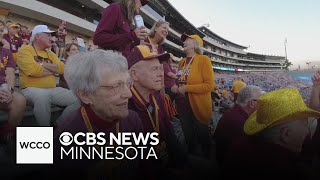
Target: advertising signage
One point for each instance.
(224, 68)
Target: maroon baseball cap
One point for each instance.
(143, 52)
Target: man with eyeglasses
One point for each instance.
(38, 68)
(101, 81)
(231, 123)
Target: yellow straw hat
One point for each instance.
(278, 107)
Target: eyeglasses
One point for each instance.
(119, 86)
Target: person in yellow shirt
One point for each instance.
(236, 86)
(195, 81)
(38, 67)
(224, 91)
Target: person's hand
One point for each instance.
(182, 89)
(141, 33)
(5, 43)
(174, 88)
(5, 96)
(316, 79)
(142, 42)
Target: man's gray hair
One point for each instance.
(247, 94)
(83, 70)
(33, 38)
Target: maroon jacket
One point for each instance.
(253, 158)
(229, 128)
(164, 121)
(168, 81)
(173, 154)
(15, 42)
(81, 168)
(114, 32)
(6, 61)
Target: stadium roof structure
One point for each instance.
(214, 35)
(171, 14)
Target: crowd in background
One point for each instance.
(267, 81)
(267, 128)
(15, 35)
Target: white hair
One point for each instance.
(247, 94)
(83, 70)
(197, 47)
(33, 38)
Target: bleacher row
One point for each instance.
(29, 118)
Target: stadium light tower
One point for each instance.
(308, 64)
(285, 48)
(206, 25)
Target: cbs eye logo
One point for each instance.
(66, 138)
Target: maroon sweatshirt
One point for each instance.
(83, 168)
(114, 31)
(253, 158)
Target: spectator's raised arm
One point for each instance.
(314, 102)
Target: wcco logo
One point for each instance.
(34, 145)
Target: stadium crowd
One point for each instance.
(267, 124)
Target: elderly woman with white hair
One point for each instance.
(101, 81)
(195, 81)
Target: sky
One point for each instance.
(261, 24)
